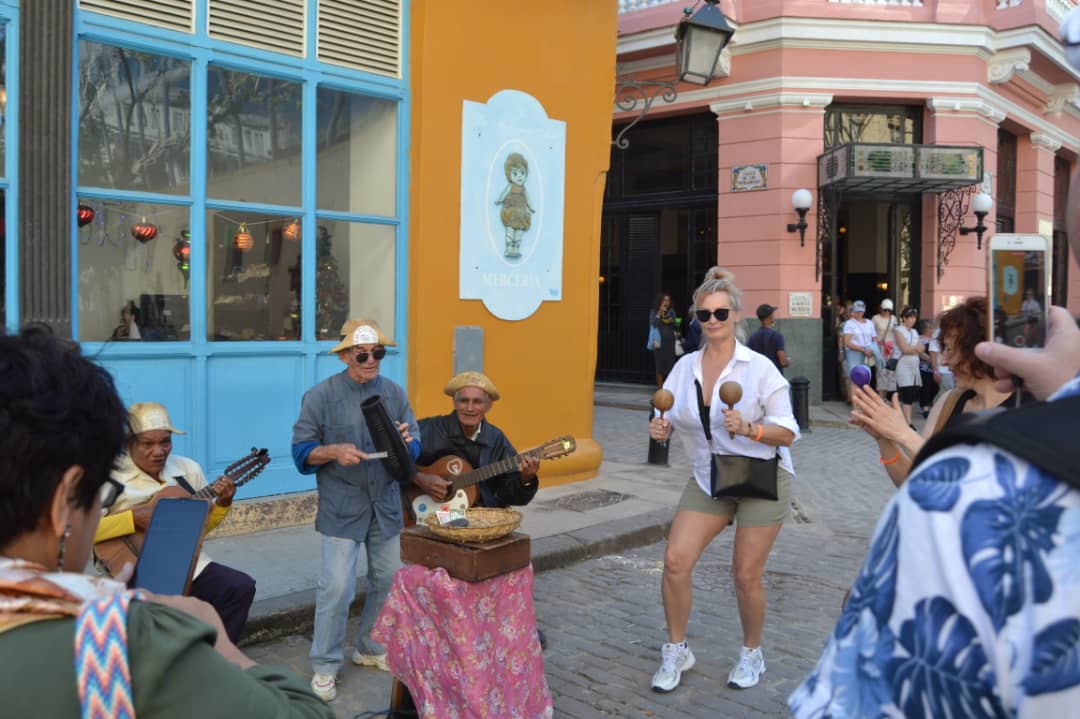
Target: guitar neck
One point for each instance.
(486, 472)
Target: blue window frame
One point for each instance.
(199, 374)
(9, 167)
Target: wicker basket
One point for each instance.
(485, 525)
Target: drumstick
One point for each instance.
(730, 394)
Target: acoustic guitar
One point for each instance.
(418, 506)
(115, 553)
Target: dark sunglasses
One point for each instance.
(721, 314)
(378, 353)
(110, 491)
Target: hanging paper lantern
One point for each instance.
(144, 231)
(84, 215)
(291, 231)
(243, 240)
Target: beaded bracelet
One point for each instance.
(894, 460)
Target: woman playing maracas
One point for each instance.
(758, 423)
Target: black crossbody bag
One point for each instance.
(733, 475)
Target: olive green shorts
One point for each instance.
(744, 512)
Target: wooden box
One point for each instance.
(470, 562)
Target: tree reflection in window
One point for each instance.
(134, 119)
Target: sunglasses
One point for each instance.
(378, 353)
(721, 314)
(110, 491)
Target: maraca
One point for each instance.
(663, 400)
(860, 375)
(730, 394)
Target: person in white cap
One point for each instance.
(885, 324)
(359, 500)
(148, 466)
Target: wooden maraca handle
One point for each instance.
(731, 434)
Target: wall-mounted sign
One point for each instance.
(800, 304)
(513, 162)
(749, 177)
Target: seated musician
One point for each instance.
(149, 466)
(464, 433)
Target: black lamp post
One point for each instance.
(980, 205)
(699, 40)
(801, 200)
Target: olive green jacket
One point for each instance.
(176, 673)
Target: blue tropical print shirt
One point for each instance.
(968, 603)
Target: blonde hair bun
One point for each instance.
(719, 273)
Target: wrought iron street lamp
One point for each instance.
(980, 205)
(801, 200)
(699, 40)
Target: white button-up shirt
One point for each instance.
(765, 400)
(140, 487)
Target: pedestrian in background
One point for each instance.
(767, 340)
(908, 378)
(929, 388)
(760, 426)
(860, 342)
(662, 320)
(885, 331)
(691, 331)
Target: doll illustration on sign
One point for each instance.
(516, 213)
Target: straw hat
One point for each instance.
(361, 332)
(471, 379)
(150, 416)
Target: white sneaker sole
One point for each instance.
(367, 660)
(735, 685)
(687, 666)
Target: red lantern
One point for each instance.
(243, 240)
(144, 231)
(291, 231)
(84, 215)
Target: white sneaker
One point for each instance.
(676, 660)
(370, 660)
(749, 669)
(324, 686)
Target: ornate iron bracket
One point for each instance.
(828, 210)
(630, 92)
(952, 208)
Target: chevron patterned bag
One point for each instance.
(102, 673)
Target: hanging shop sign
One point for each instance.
(513, 165)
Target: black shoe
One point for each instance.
(542, 638)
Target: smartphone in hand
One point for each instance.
(171, 547)
(1018, 287)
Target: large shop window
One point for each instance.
(136, 202)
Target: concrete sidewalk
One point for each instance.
(628, 504)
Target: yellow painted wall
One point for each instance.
(562, 52)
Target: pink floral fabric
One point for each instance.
(466, 650)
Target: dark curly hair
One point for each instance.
(57, 409)
(966, 324)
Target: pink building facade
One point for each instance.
(818, 94)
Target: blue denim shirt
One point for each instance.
(350, 496)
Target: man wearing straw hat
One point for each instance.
(465, 433)
(148, 466)
(359, 501)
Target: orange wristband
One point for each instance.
(894, 460)
(760, 432)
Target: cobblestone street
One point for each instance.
(605, 623)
